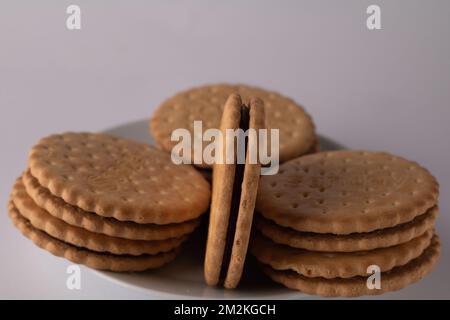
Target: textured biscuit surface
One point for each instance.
(42, 220)
(77, 217)
(118, 178)
(392, 280)
(333, 265)
(222, 192)
(352, 242)
(344, 192)
(206, 103)
(247, 201)
(95, 260)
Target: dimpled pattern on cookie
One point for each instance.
(90, 221)
(118, 178)
(206, 103)
(343, 192)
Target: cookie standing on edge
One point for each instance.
(297, 132)
(233, 199)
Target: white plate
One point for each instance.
(183, 278)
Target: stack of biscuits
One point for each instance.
(328, 222)
(106, 202)
(296, 128)
(338, 223)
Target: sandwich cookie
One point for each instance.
(325, 218)
(344, 192)
(296, 128)
(234, 188)
(90, 221)
(92, 259)
(107, 202)
(40, 219)
(395, 279)
(338, 264)
(328, 242)
(118, 178)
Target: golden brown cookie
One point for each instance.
(352, 242)
(233, 200)
(392, 280)
(337, 264)
(95, 223)
(221, 198)
(247, 201)
(343, 192)
(95, 260)
(118, 178)
(42, 220)
(206, 103)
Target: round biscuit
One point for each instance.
(327, 242)
(90, 221)
(337, 264)
(118, 178)
(392, 280)
(95, 260)
(42, 220)
(296, 128)
(343, 192)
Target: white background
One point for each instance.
(377, 90)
